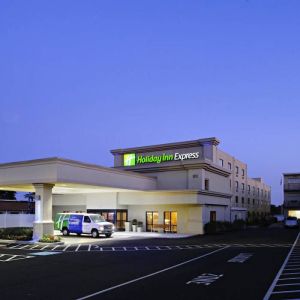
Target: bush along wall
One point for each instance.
(219, 227)
(16, 233)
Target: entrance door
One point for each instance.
(151, 220)
(170, 221)
(121, 219)
(213, 216)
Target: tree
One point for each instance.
(29, 197)
(8, 195)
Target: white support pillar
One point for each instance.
(43, 223)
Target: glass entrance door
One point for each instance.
(116, 216)
(170, 221)
(151, 220)
(121, 219)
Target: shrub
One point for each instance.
(49, 238)
(16, 233)
(219, 227)
(238, 224)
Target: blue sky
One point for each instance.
(78, 78)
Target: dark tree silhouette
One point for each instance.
(7, 195)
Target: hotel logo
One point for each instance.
(129, 159)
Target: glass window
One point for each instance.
(86, 219)
(243, 172)
(243, 186)
(221, 162)
(237, 186)
(151, 221)
(206, 184)
(96, 218)
(170, 221)
(236, 170)
(236, 199)
(229, 166)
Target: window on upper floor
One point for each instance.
(236, 186)
(243, 172)
(293, 180)
(236, 170)
(248, 187)
(257, 191)
(243, 200)
(253, 190)
(243, 186)
(236, 199)
(229, 166)
(221, 162)
(206, 184)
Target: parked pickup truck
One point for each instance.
(83, 223)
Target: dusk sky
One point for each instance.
(78, 78)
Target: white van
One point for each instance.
(83, 223)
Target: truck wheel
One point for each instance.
(108, 235)
(65, 232)
(95, 233)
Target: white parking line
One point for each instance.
(272, 287)
(55, 247)
(290, 278)
(287, 292)
(34, 247)
(44, 247)
(15, 246)
(66, 248)
(151, 274)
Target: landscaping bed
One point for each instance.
(16, 233)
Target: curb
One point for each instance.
(8, 242)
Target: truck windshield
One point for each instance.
(97, 218)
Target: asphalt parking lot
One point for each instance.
(239, 265)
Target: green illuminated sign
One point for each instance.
(131, 159)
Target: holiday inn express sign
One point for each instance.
(133, 159)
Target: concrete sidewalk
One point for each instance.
(120, 235)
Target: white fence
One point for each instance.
(16, 220)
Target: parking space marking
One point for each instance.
(241, 258)
(65, 249)
(286, 279)
(95, 247)
(205, 279)
(12, 257)
(152, 274)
